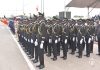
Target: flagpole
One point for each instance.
(41, 6)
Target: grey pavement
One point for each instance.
(72, 62)
(10, 55)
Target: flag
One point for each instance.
(37, 8)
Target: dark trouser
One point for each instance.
(29, 47)
(32, 49)
(58, 47)
(45, 46)
(80, 47)
(41, 55)
(83, 45)
(73, 45)
(49, 48)
(91, 48)
(54, 48)
(37, 51)
(65, 48)
(99, 45)
(88, 47)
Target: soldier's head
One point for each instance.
(73, 22)
(88, 21)
(41, 16)
(48, 22)
(34, 17)
(58, 21)
(54, 19)
(80, 21)
(65, 20)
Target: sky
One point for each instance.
(51, 7)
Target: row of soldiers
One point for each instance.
(39, 36)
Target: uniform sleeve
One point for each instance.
(43, 31)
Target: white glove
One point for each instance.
(50, 41)
(89, 40)
(65, 41)
(41, 46)
(28, 40)
(81, 41)
(92, 38)
(36, 39)
(73, 38)
(84, 40)
(42, 41)
(36, 43)
(19, 34)
(31, 40)
(76, 40)
(22, 36)
(96, 38)
(59, 39)
(55, 41)
(25, 39)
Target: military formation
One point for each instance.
(40, 36)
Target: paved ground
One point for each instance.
(12, 59)
(73, 63)
(10, 55)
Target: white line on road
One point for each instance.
(24, 55)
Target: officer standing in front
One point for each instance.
(41, 39)
(65, 38)
(88, 35)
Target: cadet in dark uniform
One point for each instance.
(60, 37)
(33, 35)
(49, 35)
(54, 38)
(92, 41)
(97, 33)
(73, 37)
(41, 39)
(88, 35)
(65, 37)
(35, 29)
(80, 37)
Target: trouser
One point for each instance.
(80, 47)
(41, 55)
(49, 48)
(88, 45)
(99, 45)
(45, 46)
(58, 48)
(91, 49)
(32, 49)
(73, 45)
(37, 52)
(83, 44)
(65, 48)
(54, 48)
(29, 47)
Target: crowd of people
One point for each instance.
(40, 36)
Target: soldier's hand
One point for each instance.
(65, 41)
(56, 41)
(42, 41)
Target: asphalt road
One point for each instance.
(10, 55)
